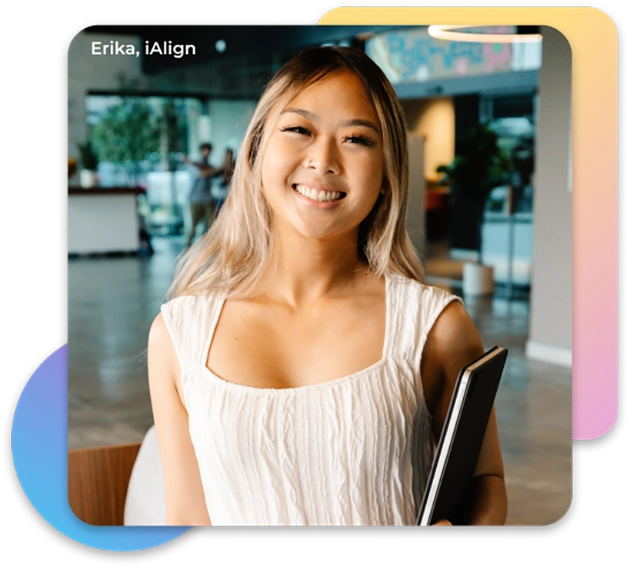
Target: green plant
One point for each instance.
(479, 167)
(128, 133)
(89, 159)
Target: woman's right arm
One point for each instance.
(185, 501)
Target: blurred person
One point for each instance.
(202, 204)
(222, 183)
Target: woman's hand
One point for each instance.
(442, 522)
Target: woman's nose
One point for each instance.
(323, 157)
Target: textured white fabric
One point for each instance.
(353, 451)
(145, 503)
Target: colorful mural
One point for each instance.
(412, 55)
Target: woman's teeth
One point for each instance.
(318, 195)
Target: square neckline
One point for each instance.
(385, 355)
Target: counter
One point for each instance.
(103, 220)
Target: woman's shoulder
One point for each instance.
(413, 290)
(184, 314)
(183, 322)
(187, 302)
(420, 309)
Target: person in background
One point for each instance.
(220, 190)
(202, 205)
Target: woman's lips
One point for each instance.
(319, 195)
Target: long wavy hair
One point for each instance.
(231, 257)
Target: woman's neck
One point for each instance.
(302, 270)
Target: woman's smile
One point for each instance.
(322, 169)
(318, 194)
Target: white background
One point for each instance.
(25, 25)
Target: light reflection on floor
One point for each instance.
(112, 302)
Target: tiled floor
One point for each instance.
(112, 302)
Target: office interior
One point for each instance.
(128, 214)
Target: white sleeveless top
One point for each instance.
(353, 451)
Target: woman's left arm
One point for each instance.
(453, 342)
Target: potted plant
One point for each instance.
(89, 163)
(476, 170)
(127, 134)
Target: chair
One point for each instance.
(118, 485)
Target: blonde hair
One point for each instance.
(231, 256)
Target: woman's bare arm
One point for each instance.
(453, 343)
(185, 502)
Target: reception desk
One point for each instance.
(103, 220)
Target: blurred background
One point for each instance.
(489, 207)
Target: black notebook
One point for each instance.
(462, 436)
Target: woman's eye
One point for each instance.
(360, 139)
(296, 129)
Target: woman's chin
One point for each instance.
(318, 234)
(313, 226)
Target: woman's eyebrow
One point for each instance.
(352, 122)
(301, 112)
(361, 122)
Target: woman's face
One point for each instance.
(322, 169)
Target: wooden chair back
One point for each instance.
(98, 479)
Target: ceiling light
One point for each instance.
(444, 32)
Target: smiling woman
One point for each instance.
(322, 171)
(301, 372)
